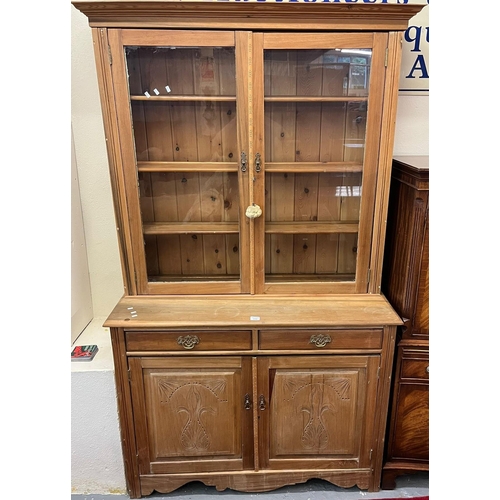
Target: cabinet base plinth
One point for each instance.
(259, 481)
(392, 470)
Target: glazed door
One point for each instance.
(192, 415)
(317, 411)
(317, 114)
(181, 119)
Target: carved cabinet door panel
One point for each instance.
(316, 411)
(191, 414)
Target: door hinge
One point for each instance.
(386, 56)
(110, 57)
(129, 373)
(378, 372)
(369, 275)
(371, 451)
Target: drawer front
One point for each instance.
(189, 341)
(415, 368)
(320, 339)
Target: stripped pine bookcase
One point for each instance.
(250, 149)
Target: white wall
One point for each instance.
(93, 172)
(412, 126)
(99, 469)
(96, 456)
(81, 296)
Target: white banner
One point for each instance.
(414, 78)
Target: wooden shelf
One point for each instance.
(157, 228)
(293, 98)
(188, 277)
(270, 167)
(313, 167)
(183, 98)
(311, 227)
(186, 166)
(317, 278)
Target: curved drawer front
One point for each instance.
(318, 340)
(189, 341)
(415, 369)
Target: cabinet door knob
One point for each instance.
(247, 403)
(320, 340)
(427, 369)
(262, 402)
(188, 342)
(253, 211)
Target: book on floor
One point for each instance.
(84, 352)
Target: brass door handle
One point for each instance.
(262, 403)
(243, 162)
(247, 402)
(188, 342)
(320, 340)
(257, 162)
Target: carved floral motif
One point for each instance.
(195, 399)
(315, 434)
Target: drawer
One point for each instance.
(188, 341)
(320, 339)
(415, 368)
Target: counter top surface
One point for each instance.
(416, 161)
(251, 311)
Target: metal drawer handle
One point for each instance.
(189, 341)
(427, 369)
(247, 403)
(320, 340)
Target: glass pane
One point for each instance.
(185, 131)
(315, 133)
(334, 72)
(175, 206)
(183, 107)
(199, 71)
(189, 196)
(192, 257)
(312, 225)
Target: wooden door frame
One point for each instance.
(373, 143)
(118, 39)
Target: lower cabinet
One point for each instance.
(408, 437)
(249, 411)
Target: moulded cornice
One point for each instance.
(249, 14)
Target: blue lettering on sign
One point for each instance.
(415, 35)
(419, 65)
